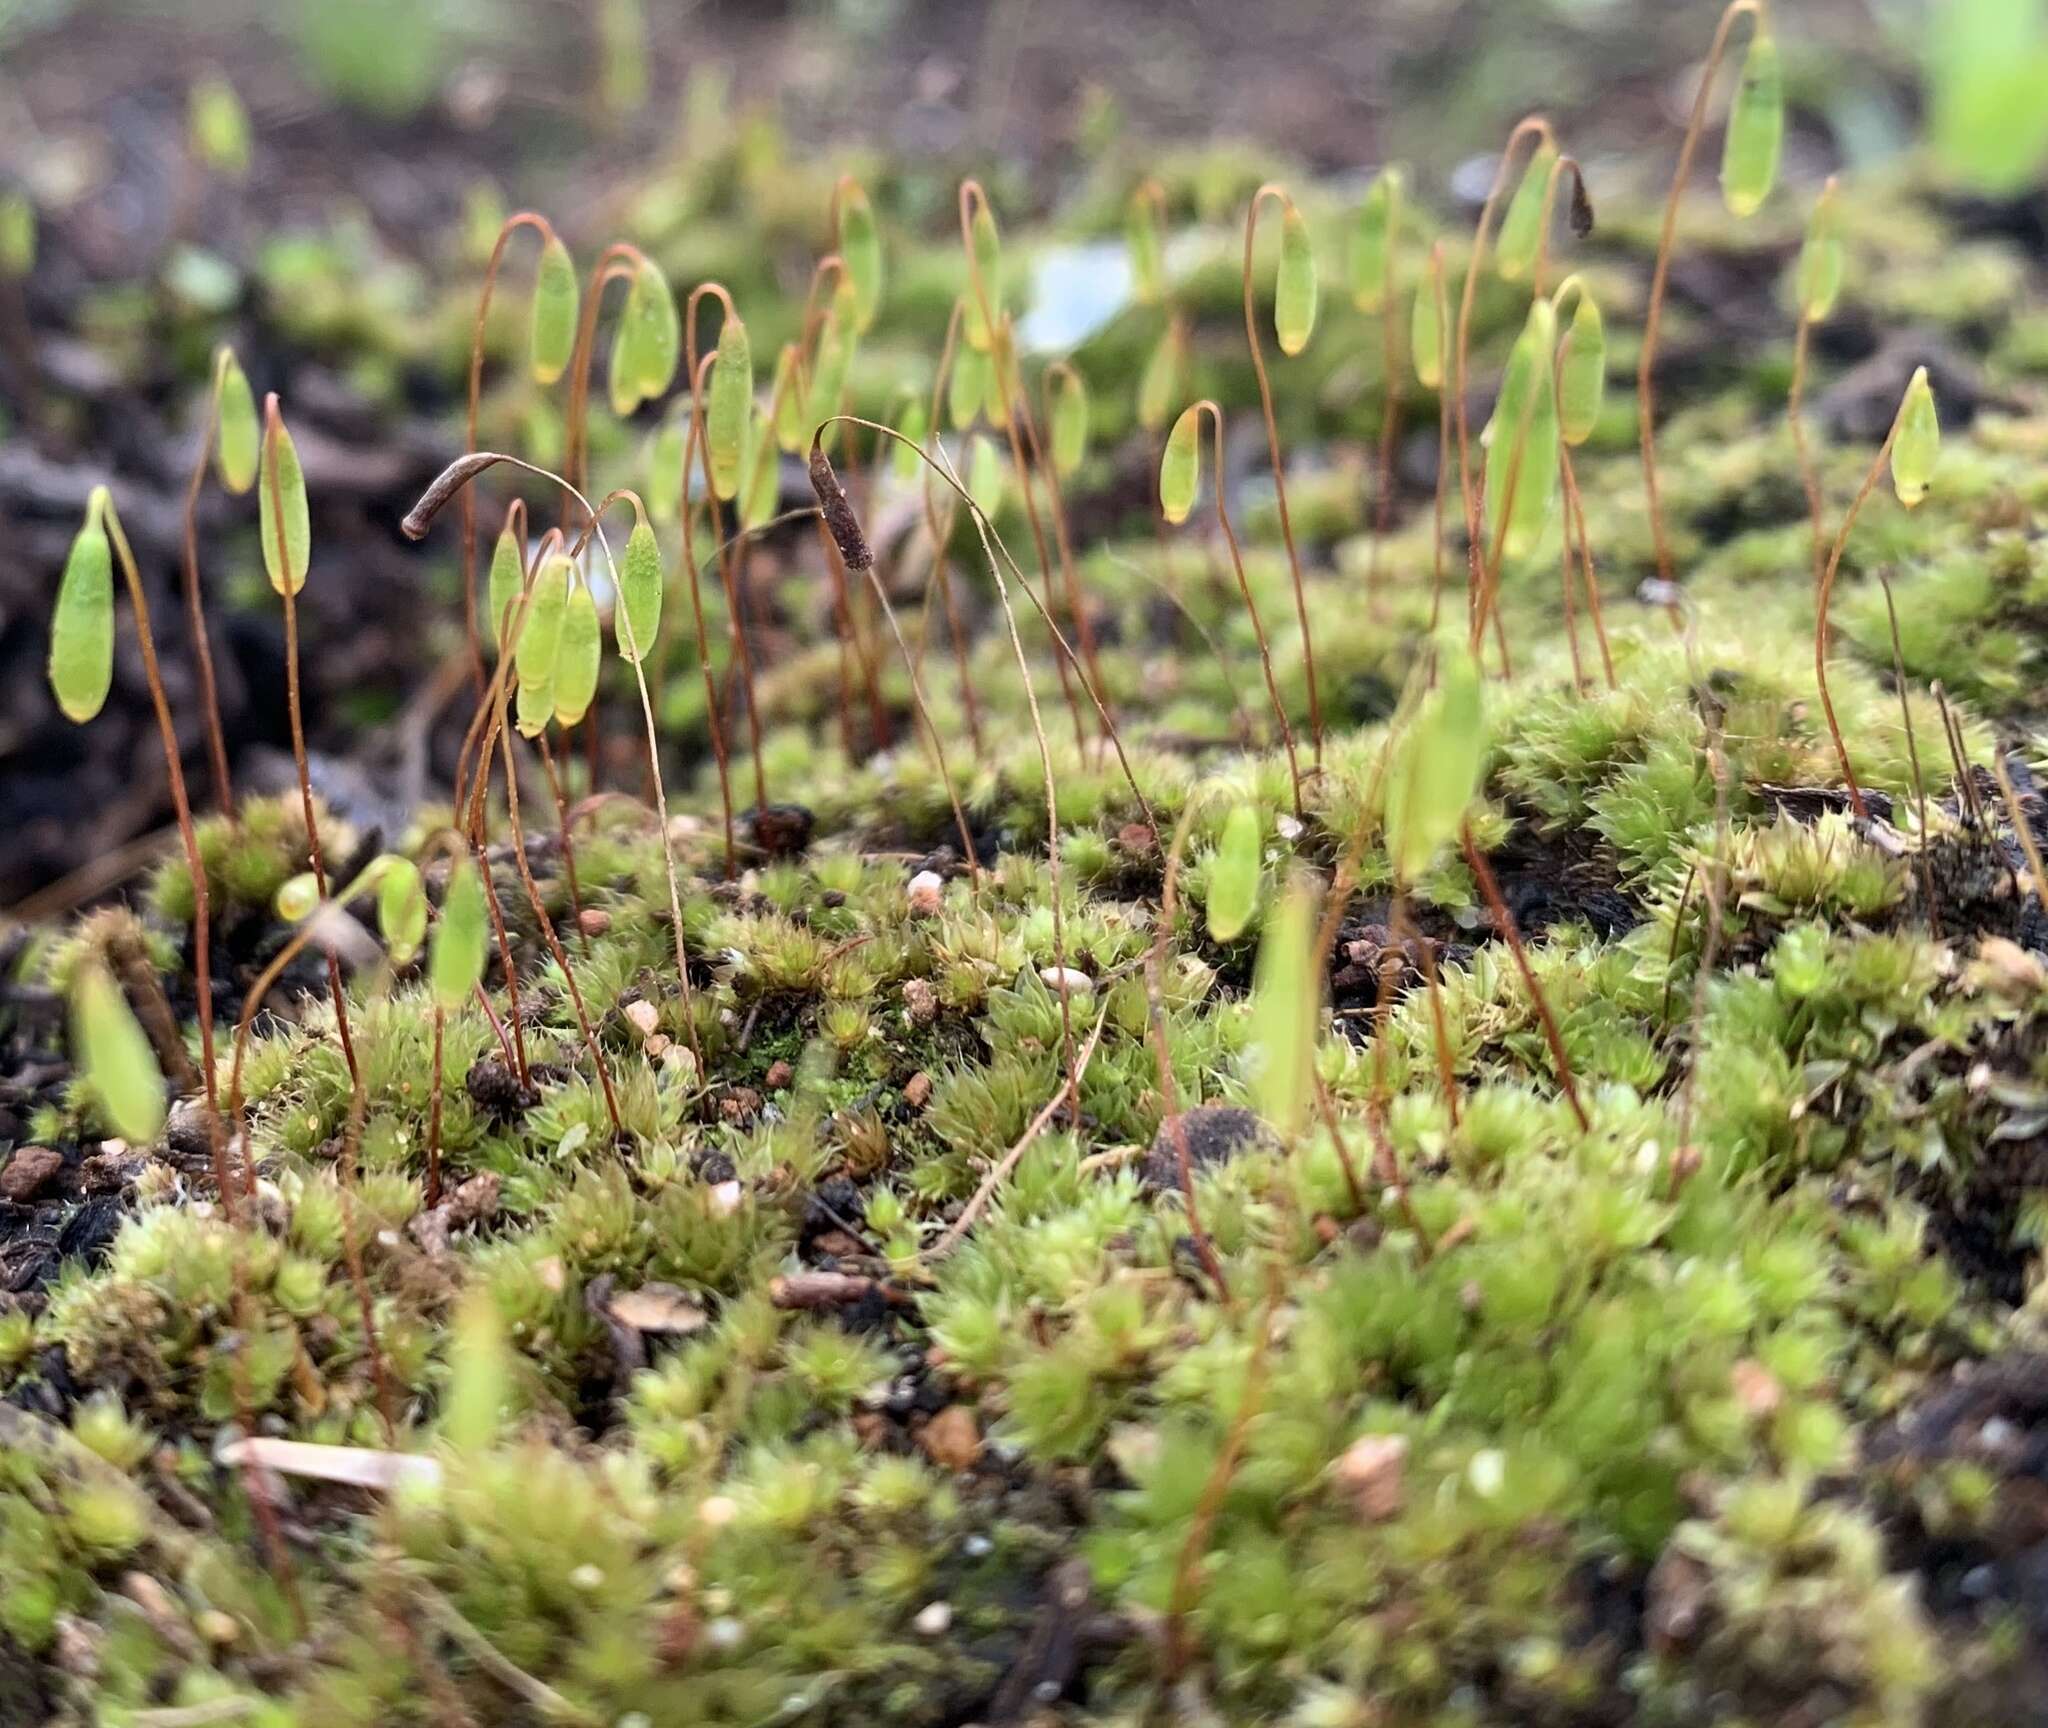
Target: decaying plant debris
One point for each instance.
(930, 1117)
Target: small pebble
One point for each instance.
(926, 890)
(28, 1172)
(933, 1619)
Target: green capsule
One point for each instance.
(579, 656)
(1001, 368)
(284, 483)
(1294, 287)
(914, 426)
(1916, 442)
(1373, 240)
(401, 909)
(1163, 381)
(762, 488)
(1435, 770)
(555, 300)
(661, 488)
(1756, 128)
(238, 436)
(985, 476)
(461, 938)
(1287, 1002)
(1819, 278)
(1521, 488)
(1233, 888)
(17, 235)
(1180, 469)
(1582, 373)
(792, 423)
(501, 591)
(636, 619)
(114, 1057)
(860, 250)
(82, 622)
(648, 343)
(298, 898)
(540, 645)
(219, 126)
(1069, 423)
(1521, 229)
(967, 386)
(1426, 336)
(729, 404)
(1146, 247)
(988, 260)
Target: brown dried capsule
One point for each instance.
(840, 520)
(1581, 212)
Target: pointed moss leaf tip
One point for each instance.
(401, 909)
(1286, 1006)
(507, 577)
(1426, 336)
(1756, 128)
(1294, 286)
(238, 436)
(283, 493)
(1234, 875)
(555, 301)
(1180, 469)
(1521, 229)
(82, 622)
(1373, 240)
(540, 645)
(1146, 247)
(1521, 439)
(1821, 259)
(730, 400)
(636, 620)
(1069, 423)
(1917, 446)
(1436, 765)
(1582, 373)
(456, 965)
(860, 250)
(114, 1056)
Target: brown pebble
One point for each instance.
(1137, 839)
(921, 1001)
(740, 1106)
(28, 1172)
(779, 1075)
(917, 1090)
(952, 1438)
(1371, 1472)
(593, 920)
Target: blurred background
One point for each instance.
(318, 181)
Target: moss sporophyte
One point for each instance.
(783, 1170)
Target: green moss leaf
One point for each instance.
(113, 1054)
(82, 623)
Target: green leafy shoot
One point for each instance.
(114, 1057)
(1234, 875)
(82, 622)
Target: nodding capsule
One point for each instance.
(840, 521)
